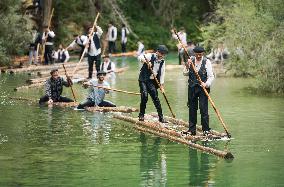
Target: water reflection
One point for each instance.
(200, 173)
(153, 164)
(98, 128)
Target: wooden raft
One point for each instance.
(157, 129)
(123, 109)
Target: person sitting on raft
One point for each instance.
(54, 88)
(96, 95)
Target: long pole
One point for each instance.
(147, 62)
(204, 89)
(85, 49)
(69, 83)
(43, 45)
(117, 90)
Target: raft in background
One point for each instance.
(158, 129)
(122, 109)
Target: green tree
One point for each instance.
(252, 30)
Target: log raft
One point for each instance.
(158, 130)
(122, 109)
(185, 124)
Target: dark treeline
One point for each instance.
(251, 30)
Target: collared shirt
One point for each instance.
(112, 33)
(54, 87)
(60, 53)
(156, 66)
(105, 65)
(93, 51)
(51, 34)
(209, 70)
(124, 33)
(96, 94)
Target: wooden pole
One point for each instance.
(70, 83)
(43, 45)
(147, 62)
(204, 89)
(85, 49)
(117, 90)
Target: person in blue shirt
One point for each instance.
(96, 93)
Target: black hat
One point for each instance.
(162, 49)
(198, 49)
(101, 73)
(53, 70)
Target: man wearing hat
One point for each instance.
(96, 94)
(146, 80)
(54, 87)
(196, 95)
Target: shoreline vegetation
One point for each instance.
(252, 31)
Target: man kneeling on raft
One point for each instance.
(97, 94)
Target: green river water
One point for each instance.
(41, 146)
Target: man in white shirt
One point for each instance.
(62, 54)
(94, 50)
(80, 41)
(108, 66)
(182, 36)
(96, 95)
(111, 37)
(124, 33)
(48, 39)
(196, 93)
(147, 83)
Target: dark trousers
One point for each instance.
(45, 98)
(90, 103)
(48, 54)
(91, 60)
(123, 47)
(195, 95)
(111, 47)
(145, 88)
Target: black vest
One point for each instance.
(96, 41)
(192, 80)
(77, 42)
(145, 73)
(49, 39)
(62, 57)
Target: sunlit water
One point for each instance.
(41, 146)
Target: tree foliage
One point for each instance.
(253, 32)
(14, 31)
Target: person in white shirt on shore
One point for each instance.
(124, 33)
(111, 37)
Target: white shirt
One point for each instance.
(182, 36)
(110, 38)
(51, 34)
(105, 65)
(123, 35)
(140, 50)
(209, 70)
(156, 66)
(60, 53)
(82, 40)
(93, 50)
